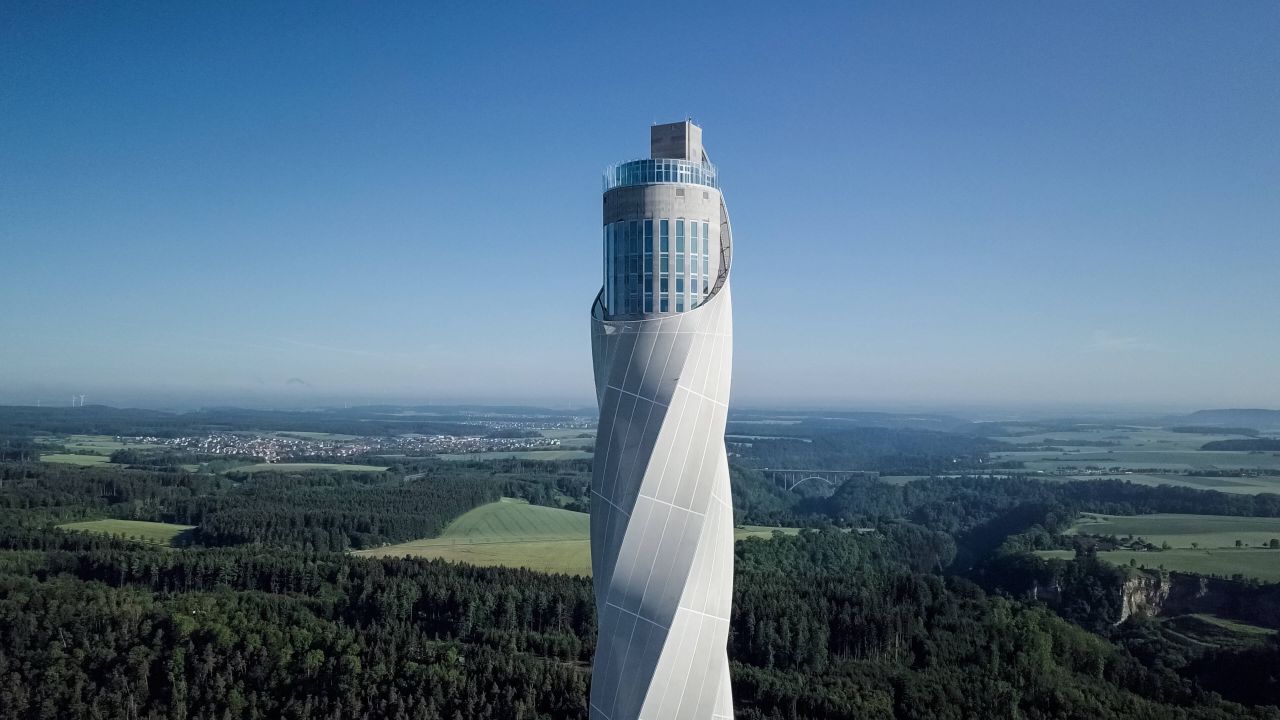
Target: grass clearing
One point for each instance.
(513, 533)
(1248, 562)
(100, 444)
(69, 459)
(1236, 485)
(152, 532)
(1167, 456)
(508, 533)
(902, 479)
(762, 531)
(1180, 531)
(301, 467)
(304, 435)
(1211, 631)
(519, 455)
(1234, 626)
(1202, 544)
(567, 433)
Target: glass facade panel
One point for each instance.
(634, 229)
(608, 258)
(639, 266)
(619, 269)
(706, 258)
(651, 170)
(648, 266)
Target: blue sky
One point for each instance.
(935, 204)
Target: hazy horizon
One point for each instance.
(1005, 206)
(180, 402)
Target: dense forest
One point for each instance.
(899, 601)
(825, 625)
(318, 510)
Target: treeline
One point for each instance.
(553, 483)
(825, 625)
(960, 504)
(1086, 590)
(172, 460)
(321, 511)
(330, 517)
(115, 492)
(1213, 430)
(19, 449)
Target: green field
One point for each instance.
(101, 444)
(298, 467)
(512, 533)
(509, 533)
(303, 435)
(520, 455)
(1125, 438)
(1205, 630)
(96, 449)
(152, 532)
(1249, 562)
(69, 459)
(1213, 537)
(1166, 455)
(902, 479)
(1180, 531)
(567, 433)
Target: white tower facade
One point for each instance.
(661, 513)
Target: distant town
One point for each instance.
(286, 446)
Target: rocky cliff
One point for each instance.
(1144, 593)
(1156, 593)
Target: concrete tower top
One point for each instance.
(678, 140)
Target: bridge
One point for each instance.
(791, 479)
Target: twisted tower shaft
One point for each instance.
(661, 515)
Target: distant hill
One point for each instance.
(1251, 445)
(24, 420)
(1264, 420)
(833, 419)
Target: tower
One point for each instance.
(661, 513)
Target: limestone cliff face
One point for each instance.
(1157, 593)
(1144, 593)
(1050, 593)
(1151, 593)
(1247, 602)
